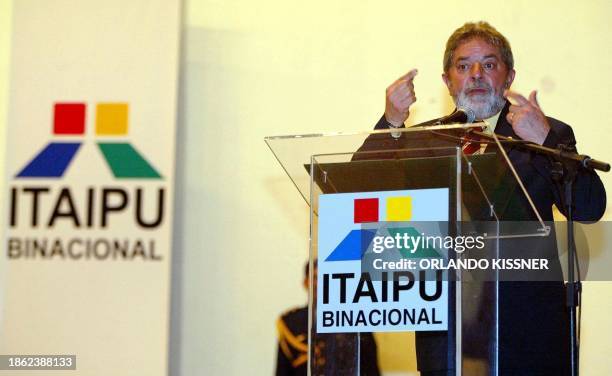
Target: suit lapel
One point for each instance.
(502, 127)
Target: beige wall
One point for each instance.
(5, 43)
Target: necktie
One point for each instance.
(470, 143)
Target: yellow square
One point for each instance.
(399, 209)
(112, 119)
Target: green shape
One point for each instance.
(421, 252)
(126, 162)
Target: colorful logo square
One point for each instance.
(69, 118)
(366, 210)
(111, 119)
(399, 209)
(124, 161)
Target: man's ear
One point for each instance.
(510, 78)
(446, 80)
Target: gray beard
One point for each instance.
(482, 109)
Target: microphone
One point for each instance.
(461, 115)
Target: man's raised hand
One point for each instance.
(399, 97)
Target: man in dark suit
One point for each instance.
(478, 71)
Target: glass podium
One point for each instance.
(405, 228)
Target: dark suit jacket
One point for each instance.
(334, 354)
(534, 170)
(533, 329)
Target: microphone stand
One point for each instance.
(566, 167)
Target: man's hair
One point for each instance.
(481, 30)
(307, 268)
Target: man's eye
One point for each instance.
(462, 67)
(489, 65)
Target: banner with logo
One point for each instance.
(357, 230)
(90, 176)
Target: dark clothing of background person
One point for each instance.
(331, 350)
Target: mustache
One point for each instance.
(478, 85)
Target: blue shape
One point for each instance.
(52, 161)
(353, 246)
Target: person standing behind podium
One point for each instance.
(329, 349)
(292, 327)
(478, 70)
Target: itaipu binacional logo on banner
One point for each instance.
(352, 298)
(88, 193)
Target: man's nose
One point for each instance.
(476, 70)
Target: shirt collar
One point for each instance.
(491, 123)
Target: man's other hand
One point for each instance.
(526, 117)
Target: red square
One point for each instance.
(366, 210)
(69, 118)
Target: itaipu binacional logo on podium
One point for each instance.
(106, 209)
(353, 299)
